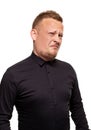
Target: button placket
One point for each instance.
(50, 74)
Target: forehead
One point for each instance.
(49, 23)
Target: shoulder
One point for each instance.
(23, 64)
(65, 66)
(18, 68)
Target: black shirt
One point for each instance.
(43, 93)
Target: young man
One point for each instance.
(42, 88)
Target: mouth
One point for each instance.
(55, 46)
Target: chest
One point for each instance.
(44, 85)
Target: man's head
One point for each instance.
(47, 32)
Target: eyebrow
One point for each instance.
(54, 32)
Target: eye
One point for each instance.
(60, 35)
(51, 33)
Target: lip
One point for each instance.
(54, 46)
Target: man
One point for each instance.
(42, 88)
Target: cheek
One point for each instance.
(43, 43)
(41, 46)
(44, 46)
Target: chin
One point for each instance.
(52, 55)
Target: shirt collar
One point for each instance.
(39, 60)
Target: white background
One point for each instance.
(16, 17)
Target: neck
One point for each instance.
(45, 58)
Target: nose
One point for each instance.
(58, 38)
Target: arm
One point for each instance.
(7, 99)
(76, 108)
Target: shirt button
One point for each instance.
(52, 87)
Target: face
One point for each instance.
(47, 37)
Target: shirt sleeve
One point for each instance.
(76, 108)
(7, 99)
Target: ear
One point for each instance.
(33, 34)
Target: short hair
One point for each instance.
(46, 14)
